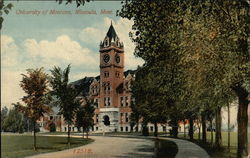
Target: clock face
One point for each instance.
(117, 59)
(106, 58)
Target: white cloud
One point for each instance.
(92, 35)
(11, 92)
(63, 50)
(9, 51)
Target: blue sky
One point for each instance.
(33, 41)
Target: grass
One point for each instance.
(213, 151)
(56, 133)
(14, 146)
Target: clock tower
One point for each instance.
(111, 76)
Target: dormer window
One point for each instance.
(106, 42)
(117, 42)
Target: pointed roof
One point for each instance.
(111, 32)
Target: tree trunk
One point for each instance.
(68, 136)
(228, 127)
(204, 128)
(156, 130)
(242, 120)
(82, 133)
(191, 129)
(175, 129)
(87, 134)
(212, 136)
(199, 129)
(137, 126)
(218, 118)
(34, 134)
(184, 123)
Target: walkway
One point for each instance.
(123, 147)
(107, 147)
(187, 149)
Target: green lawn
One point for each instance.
(16, 146)
(219, 153)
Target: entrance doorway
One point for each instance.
(106, 120)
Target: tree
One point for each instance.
(13, 122)
(35, 85)
(84, 115)
(4, 9)
(224, 42)
(147, 99)
(65, 95)
(78, 2)
(4, 115)
(213, 34)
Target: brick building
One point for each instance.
(111, 90)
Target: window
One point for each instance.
(126, 100)
(109, 87)
(104, 86)
(126, 117)
(121, 100)
(97, 118)
(164, 128)
(152, 128)
(96, 103)
(96, 128)
(106, 43)
(117, 74)
(107, 101)
(126, 85)
(73, 129)
(106, 74)
(65, 129)
(126, 128)
(121, 129)
(117, 43)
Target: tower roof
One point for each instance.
(111, 32)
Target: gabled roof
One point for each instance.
(85, 82)
(132, 72)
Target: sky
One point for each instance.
(30, 40)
